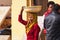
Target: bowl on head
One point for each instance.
(34, 9)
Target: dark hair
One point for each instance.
(56, 7)
(50, 3)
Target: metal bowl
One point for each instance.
(33, 9)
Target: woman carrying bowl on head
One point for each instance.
(32, 28)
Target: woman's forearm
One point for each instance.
(20, 18)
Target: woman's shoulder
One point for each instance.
(36, 26)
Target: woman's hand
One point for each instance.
(22, 9)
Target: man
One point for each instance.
(50, 7)
(52, 24)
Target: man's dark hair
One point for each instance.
(56, 7)
(50, 3)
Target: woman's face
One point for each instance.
(30, 17)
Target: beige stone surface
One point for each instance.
(4, 37)
(3, 12)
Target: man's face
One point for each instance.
(50, 8)
(59, 10)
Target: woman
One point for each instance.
(32, 28)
